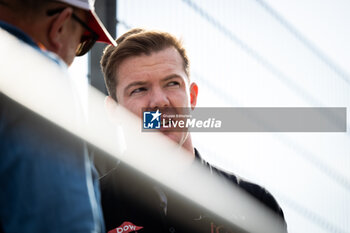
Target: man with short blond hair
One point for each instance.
(149, 70)
(47, 181)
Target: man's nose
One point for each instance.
(159, 99)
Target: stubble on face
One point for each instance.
(153, 82)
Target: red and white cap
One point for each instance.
(94, 22)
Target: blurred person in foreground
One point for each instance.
(150, 70)
(47, 182)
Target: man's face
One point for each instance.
(77, 31)
(153, 82)
(70, 35)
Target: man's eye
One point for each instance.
(173, 83)
(138, 90)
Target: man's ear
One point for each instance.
(193, 95)
(57, 31)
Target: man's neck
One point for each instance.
(7, 16)
(26, 24)
(187, 145)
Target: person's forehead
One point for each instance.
(165, 60)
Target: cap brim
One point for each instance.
(96, 25)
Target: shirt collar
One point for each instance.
(18, 33)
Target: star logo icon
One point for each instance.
(151, 120)
(156, 115)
